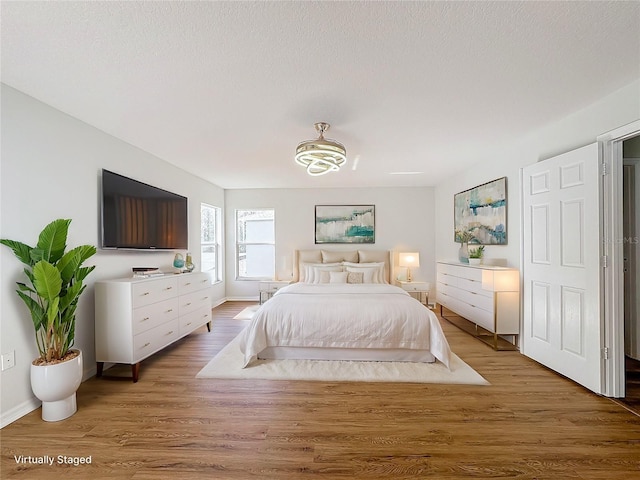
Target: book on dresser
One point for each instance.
(487, 296)
(137, 317)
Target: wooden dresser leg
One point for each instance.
(99, 368)
(208, 326)
(135, 371)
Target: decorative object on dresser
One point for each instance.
(463, 237)
(486, 296)
(345, 223)
(267, 289)
(418, 290)
(409, 259)
(55, 284)
(482, 211)
(136, 317)
(475, 255)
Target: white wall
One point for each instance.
(579, 129)
(403, 222)
(50, 169)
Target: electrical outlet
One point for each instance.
(8, 360)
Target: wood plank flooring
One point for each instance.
(530, 423)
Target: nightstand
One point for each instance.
(267, 289)
(418, 290)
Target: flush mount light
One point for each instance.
(322, 155)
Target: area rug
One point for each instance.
(227, 364)
(247, 313)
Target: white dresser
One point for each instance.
(487, 296)
(137, 317)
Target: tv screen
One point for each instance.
(138, 216)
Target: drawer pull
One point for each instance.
(146, 345)
(187, 304)
(188, 324)
(203, 281)
(145, 319)
(205, 298)
(145, 293)
(169, 311)
(169, 333)
(205, 315)
(187, 284)
(168, 288)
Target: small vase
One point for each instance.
(475, 261)
(463, 253)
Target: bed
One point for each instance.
(341, 306)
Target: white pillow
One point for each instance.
(338, 277)
(311, 271)
(369, 275)
(376, 267)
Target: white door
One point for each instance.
(561, 265)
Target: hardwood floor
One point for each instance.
(530, 423)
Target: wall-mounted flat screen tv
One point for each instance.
(139, 216)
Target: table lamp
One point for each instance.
(409, 259)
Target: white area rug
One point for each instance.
(247, 313)
(228, 364)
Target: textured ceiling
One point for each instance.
(226, 90)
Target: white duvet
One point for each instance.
(344, 316)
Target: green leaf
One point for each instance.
(47, 280)
(72, 295)
(21, 250)
(53, 310)
(53, 240)
(83, 272)
(37, 312)
(71, 261)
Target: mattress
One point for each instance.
(338, 321)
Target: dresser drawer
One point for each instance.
(155, 314)
(192, 282)
(461, 271)
(193, 301)
(145, 293)
(475, 300)
(146, 343)
(193, 320)
(474, 286)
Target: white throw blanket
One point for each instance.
(344, 316)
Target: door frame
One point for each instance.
(612, 250)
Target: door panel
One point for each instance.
(561, 265)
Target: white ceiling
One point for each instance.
(226, 90)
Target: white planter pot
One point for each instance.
(55, 386)
(475, 261)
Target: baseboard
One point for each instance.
(242, 299)
(19, 411)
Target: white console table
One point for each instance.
(487, 296)
(137, 317)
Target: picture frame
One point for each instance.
(345, 224)
(480, 213)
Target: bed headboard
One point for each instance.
(331, 256)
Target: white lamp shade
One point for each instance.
(500, 280)
(409, 259)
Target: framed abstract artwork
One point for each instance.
(480, 214)
(345, 224)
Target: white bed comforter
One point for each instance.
(344, 316)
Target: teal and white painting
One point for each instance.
(345, 224)
(482, 212)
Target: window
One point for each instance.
(255, 244)
(210, 234)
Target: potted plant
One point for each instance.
(475, 255)
(463, 237)
(54, 285)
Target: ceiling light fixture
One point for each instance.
(322, 155)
